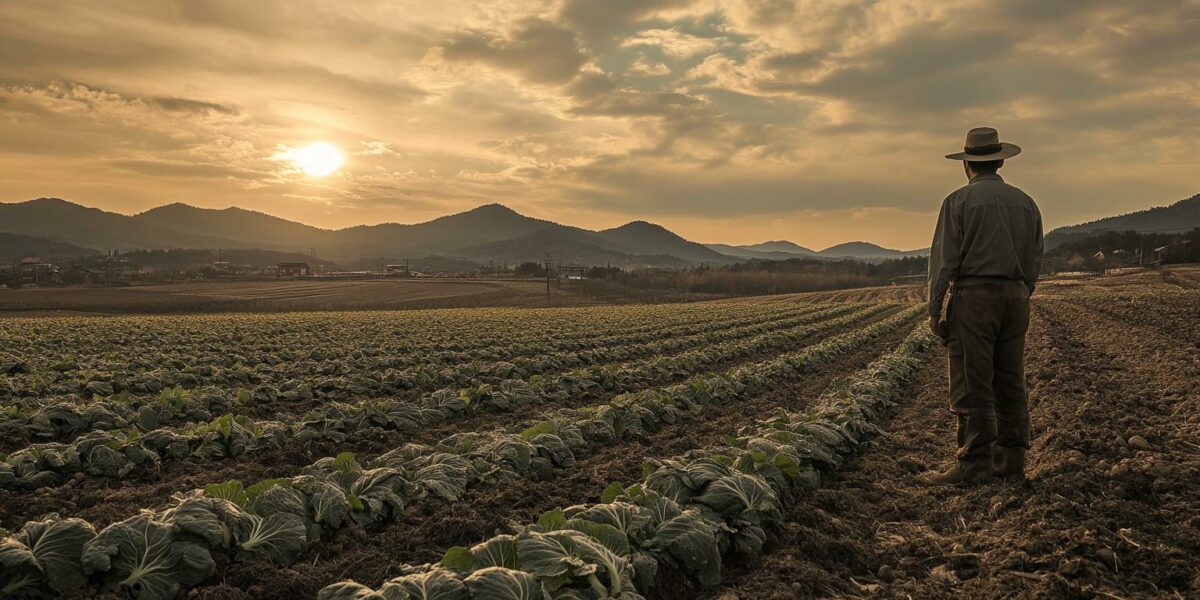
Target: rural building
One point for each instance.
(1121, 258)
(293, 269)
(398, 271)
(572, 272)
(1182, 251)
(1160, 254)
(37, 271)
(223, 269)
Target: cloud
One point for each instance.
(629, 102)
(188, 105)
(540, 50)
(160, 168)
(598, 21)
(647, 68)
(673, 43)
(696, 112)
(375, 148)
(794, 63)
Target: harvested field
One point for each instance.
(765, 448)
(283, 295)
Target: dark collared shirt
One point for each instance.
(987, 228)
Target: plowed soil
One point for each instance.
(1111, 508)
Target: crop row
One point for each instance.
(154, 554)
(680, 522)
(149, 354)
(333, 374)
(1171, 311)
(59, 419)
(121, 452)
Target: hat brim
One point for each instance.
(1007, 150)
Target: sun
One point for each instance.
(318, 159)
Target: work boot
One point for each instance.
(968, 472)
(1009, 463)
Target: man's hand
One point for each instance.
(938, 327)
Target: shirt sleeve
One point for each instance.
(944, 254)
(1038, 250)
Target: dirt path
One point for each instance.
(1105, 514)
(425, 533)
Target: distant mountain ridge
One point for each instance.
(57, 228)
(783, 250)
(57, 219)
(14, 247)
(231, 223)
(744, 253)
(1178, 216)
(491, 232)
(780, 246)
(868, 250)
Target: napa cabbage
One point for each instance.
(45, 553)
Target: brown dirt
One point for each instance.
(275, 295)
(427, 531)
(1104, 514)
(1175, 314)
(103, 501)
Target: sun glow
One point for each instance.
(318, 159)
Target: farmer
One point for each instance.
(987, 251)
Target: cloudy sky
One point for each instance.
(819, 121)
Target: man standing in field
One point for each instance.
(987, 251)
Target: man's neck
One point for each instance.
(977, 176)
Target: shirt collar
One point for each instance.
(987, 177)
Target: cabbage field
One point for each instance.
(666, 451)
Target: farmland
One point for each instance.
(755, 448)
(282, 295)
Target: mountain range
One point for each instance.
(783, 250)
(59, 229)
(1176, 217)
(491, 232)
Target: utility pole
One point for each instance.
(547, 276)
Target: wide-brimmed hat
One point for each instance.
(983, 143)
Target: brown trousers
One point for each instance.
(985, 342)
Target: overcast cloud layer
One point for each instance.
(737, 121)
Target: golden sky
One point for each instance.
(739, 121)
